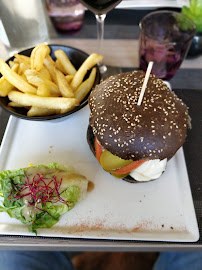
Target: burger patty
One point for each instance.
(156, 129)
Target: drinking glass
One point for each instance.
(66, 15)
(22, 24)
(100, 8)
(165, 38)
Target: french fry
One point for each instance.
(17, 105)
(22, 68)
(63, 85)
(43, 90)
(92, 60)
(86, 86)
(12, 63)
(32, 79)
(60, 67)
(21, 71)
(26, 59)
(22, 59)
(43, 86)
(15, 67)
(24, 77)
(45, 73)
(37, 79)
(69, 78)
(15, 79)
(65, 62)
(58, 103)
(37, 111)
(15, 60)
(38, 55)
(14, 104)
(64, 111)
(50, 65)
(5, 86)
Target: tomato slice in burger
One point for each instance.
(98, 150)
(130, 167)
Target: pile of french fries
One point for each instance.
(44, 86)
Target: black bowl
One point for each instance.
(77, 57)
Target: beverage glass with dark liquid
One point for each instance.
(165, 38)
(100, 8)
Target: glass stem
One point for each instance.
(100, 19)
(100, 30)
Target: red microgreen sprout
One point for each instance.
(41, 190)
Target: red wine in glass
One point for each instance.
(100, 8)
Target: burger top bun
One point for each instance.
(156, 129)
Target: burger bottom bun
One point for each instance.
(91, 142)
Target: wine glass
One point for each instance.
(100, 8)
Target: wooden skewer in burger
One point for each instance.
(134, 132)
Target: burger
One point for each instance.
(131, 141)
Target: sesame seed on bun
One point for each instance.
(156, 129)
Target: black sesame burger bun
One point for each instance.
(156, 129)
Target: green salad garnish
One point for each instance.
(39, 195)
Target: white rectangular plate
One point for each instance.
(160, 210)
